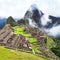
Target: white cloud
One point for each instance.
(54, 31)
(17, 8)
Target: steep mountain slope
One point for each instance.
(11, 21)
(44, 22)
(33, 14)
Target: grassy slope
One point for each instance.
(6, 54)
(50, 43)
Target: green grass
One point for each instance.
(20, 31)
(35, 48)
(32, 40)
(7, 54)
(50, 42)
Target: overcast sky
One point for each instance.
(17, 8)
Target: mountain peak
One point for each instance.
(33, 6)
(33, 14)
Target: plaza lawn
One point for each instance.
(8, 54)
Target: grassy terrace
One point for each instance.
(50, 43)
(20, 31)
(7, 54)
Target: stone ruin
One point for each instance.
(11, 40)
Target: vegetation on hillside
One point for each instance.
(23, 22)
(49, 42)
(20, 22)
(21, 31)
(11, 21)
(53, 45)
(56, 49)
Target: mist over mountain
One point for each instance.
(48, 23)
(45, 22)
(33, 14)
